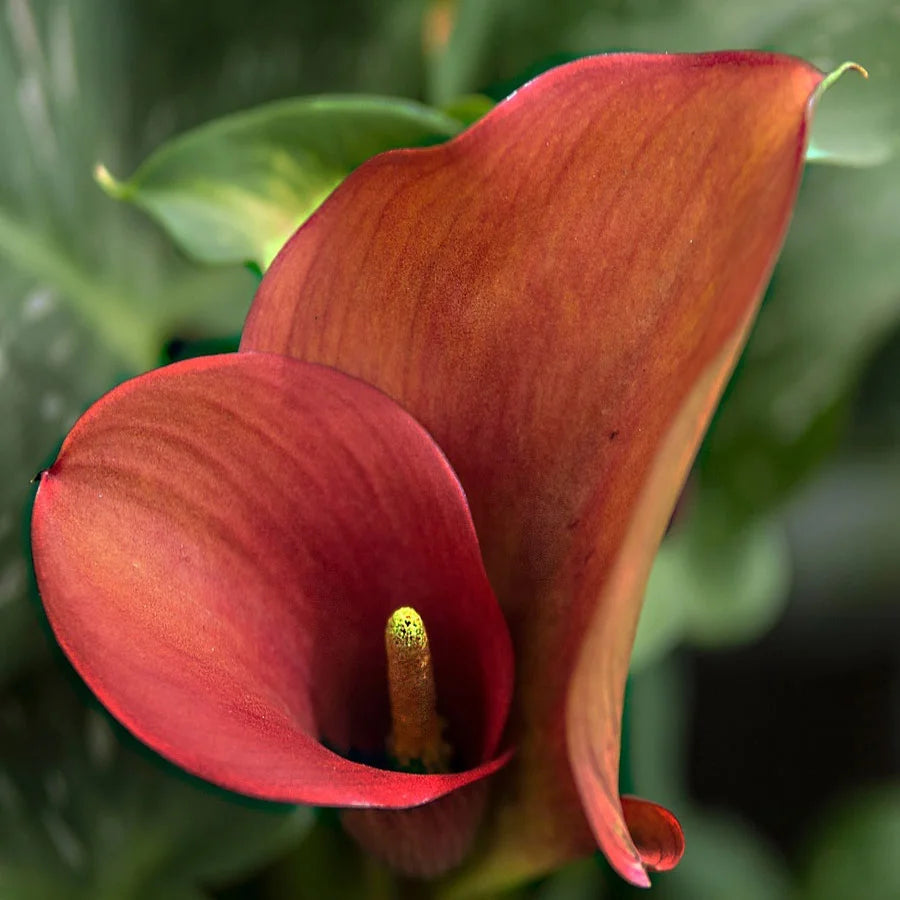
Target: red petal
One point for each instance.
(656, 834)
(424, 842)
(218, 547)
(551, 294)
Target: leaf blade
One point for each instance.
(233, 190)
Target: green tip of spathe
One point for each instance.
(833, 76)
(405, 627)
(112, 188)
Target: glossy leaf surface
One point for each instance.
(235, 189)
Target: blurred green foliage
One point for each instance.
(88, 813)
(91, 292)
(713, 584)
(858, 839)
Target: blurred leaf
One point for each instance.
(469, 108)
(235, 189)
(876, 408)
(49, 366)
(87, 289)
(844, 531)
(44, 204)
(855, 854)
(583, 880)
(658, 705)
(663, 621)
(174, 892)
(89, 814)
(682, 26)
(726, 858)
(857, 123)
(834, 296)
(329, 865)
(712, 585)
(736, 583)
(456, 35)
(193, 62)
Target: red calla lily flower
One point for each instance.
(558, 297)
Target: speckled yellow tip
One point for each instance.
(406, 628)
(415, 725)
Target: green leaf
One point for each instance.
(833, 298)
(457, 34)
(88, 290)
(855, 854)
(87, 813)
(469, 108)
(583, 880)
(850, 558)
(329, 865)
(50, 365)
(235, 189)
(740, 582)
(659, 718)
(174, 892)
(663, 622)
(712, 584)
(727, 858)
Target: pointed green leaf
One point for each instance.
(235, 189)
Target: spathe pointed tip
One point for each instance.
(637, 876)
(835, 74)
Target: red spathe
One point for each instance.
(218, 547)
(559, 296)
